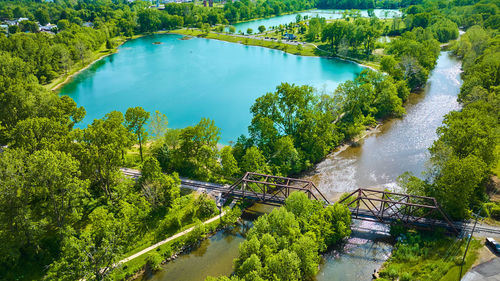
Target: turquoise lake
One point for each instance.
(323, 13)
(190, 79)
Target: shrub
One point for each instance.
(154, 260)
(167, 252)
(495, 212)
(389, 273)
(196, 234)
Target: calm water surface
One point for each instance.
(324, 13)
(223, 80)
(190, 79)
(399, 145)
(214, 257)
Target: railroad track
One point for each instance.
(490, 230)
(192, 184)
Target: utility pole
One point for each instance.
(467, 247)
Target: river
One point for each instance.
(324, 13)
(223, 80)
(397, 146)
(190, 79)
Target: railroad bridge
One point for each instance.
(364, 204)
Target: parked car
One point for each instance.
(494, 244)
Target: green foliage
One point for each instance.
(43, 198)
(427, 256)
(285, 244)
(184, 211)
(228, 162)
(135, 121)
(154, 260)
(196, 155)
(464, 154)
(65, 202)
(254, 161)
(158, 189)
(445, 30)
(95, 248)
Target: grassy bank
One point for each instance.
(306, 49)
(428, 256)
(78, 67)
(167, 251)
(302, 50)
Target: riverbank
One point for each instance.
(295, 49)
(428, 256)
(135, 265)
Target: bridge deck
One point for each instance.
(364, 212)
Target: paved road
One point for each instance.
(488, 271)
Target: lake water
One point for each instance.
(190, 79)
(399, 145)
(323, 13)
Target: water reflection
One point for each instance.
(213, 257)
(398, 145)
(369, 246)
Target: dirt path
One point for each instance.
(167, 240)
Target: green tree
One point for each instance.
(158, 189)
(197, 153)
(158, 125)
(471, 131)
(99, 148)
(458, 185)
(249, 31)
(229, 164)
(334, 32)
(285, 265)
(91, 254)
(42, 16)
(135, 119)
(254, 161)
(149, 20)
(262, 28)
(42, 199)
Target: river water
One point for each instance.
(190, 79)
(223, 81)
(397, 146)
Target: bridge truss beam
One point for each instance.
(391, 207)
(272, 189)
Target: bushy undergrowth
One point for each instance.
(426, 256)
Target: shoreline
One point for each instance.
(247, 41)
(113, 51)
(70, 76)
(58, 85)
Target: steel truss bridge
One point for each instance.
(365, 204)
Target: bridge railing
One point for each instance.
(269, 188)
(388, 207)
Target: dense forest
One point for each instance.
(68, 211)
